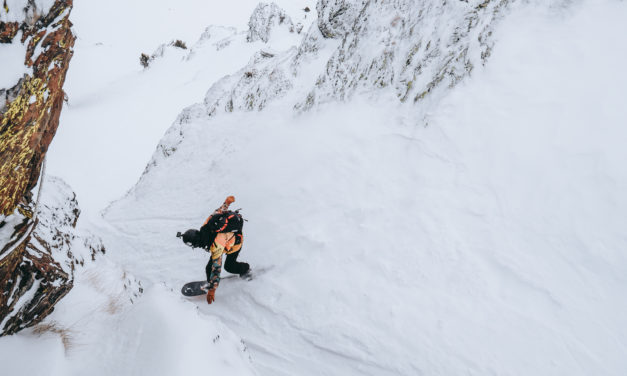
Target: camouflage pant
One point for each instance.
(230, 244)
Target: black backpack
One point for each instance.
(228, 221)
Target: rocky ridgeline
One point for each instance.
(414, 49)
(37, 234)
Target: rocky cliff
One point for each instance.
(36, 237)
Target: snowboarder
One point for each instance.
(220, 234)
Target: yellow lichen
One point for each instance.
(16, 143)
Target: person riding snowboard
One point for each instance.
(220, 234)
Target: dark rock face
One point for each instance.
(29, 122)
(36, 264)
(8, 30)
(46, 249)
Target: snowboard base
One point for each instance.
(195, 288)
(201, 287)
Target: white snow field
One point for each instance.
(117, 110)
(485, 237)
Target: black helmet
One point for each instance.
(192, 238)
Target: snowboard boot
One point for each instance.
(246, 272)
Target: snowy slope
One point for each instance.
(490, 241)
(487, 239)
(117, 112)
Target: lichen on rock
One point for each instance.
(36, 261)
(30, 120)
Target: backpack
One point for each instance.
(228, 221)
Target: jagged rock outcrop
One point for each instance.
(414, 47)
(46, 249)
(415, 50)
(35, 259)
(146, 60)
(265, 18)
(30, 120)
(336, 17)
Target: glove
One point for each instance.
(211, 296)
(229, 200)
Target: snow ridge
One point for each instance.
(410, 49)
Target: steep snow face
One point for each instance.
(488, 242)
(108, 326)
(115, 145)
(411, 47)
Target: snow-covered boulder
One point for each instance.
(265, 19)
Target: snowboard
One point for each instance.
(201, 287)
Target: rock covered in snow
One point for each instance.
(25, 11)
(265, 18)
(336, 17)
(415, 50)
(218, 36)
(410, 46)
(37, 263)
(413, 47)
(161, 51)
(263, 80)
